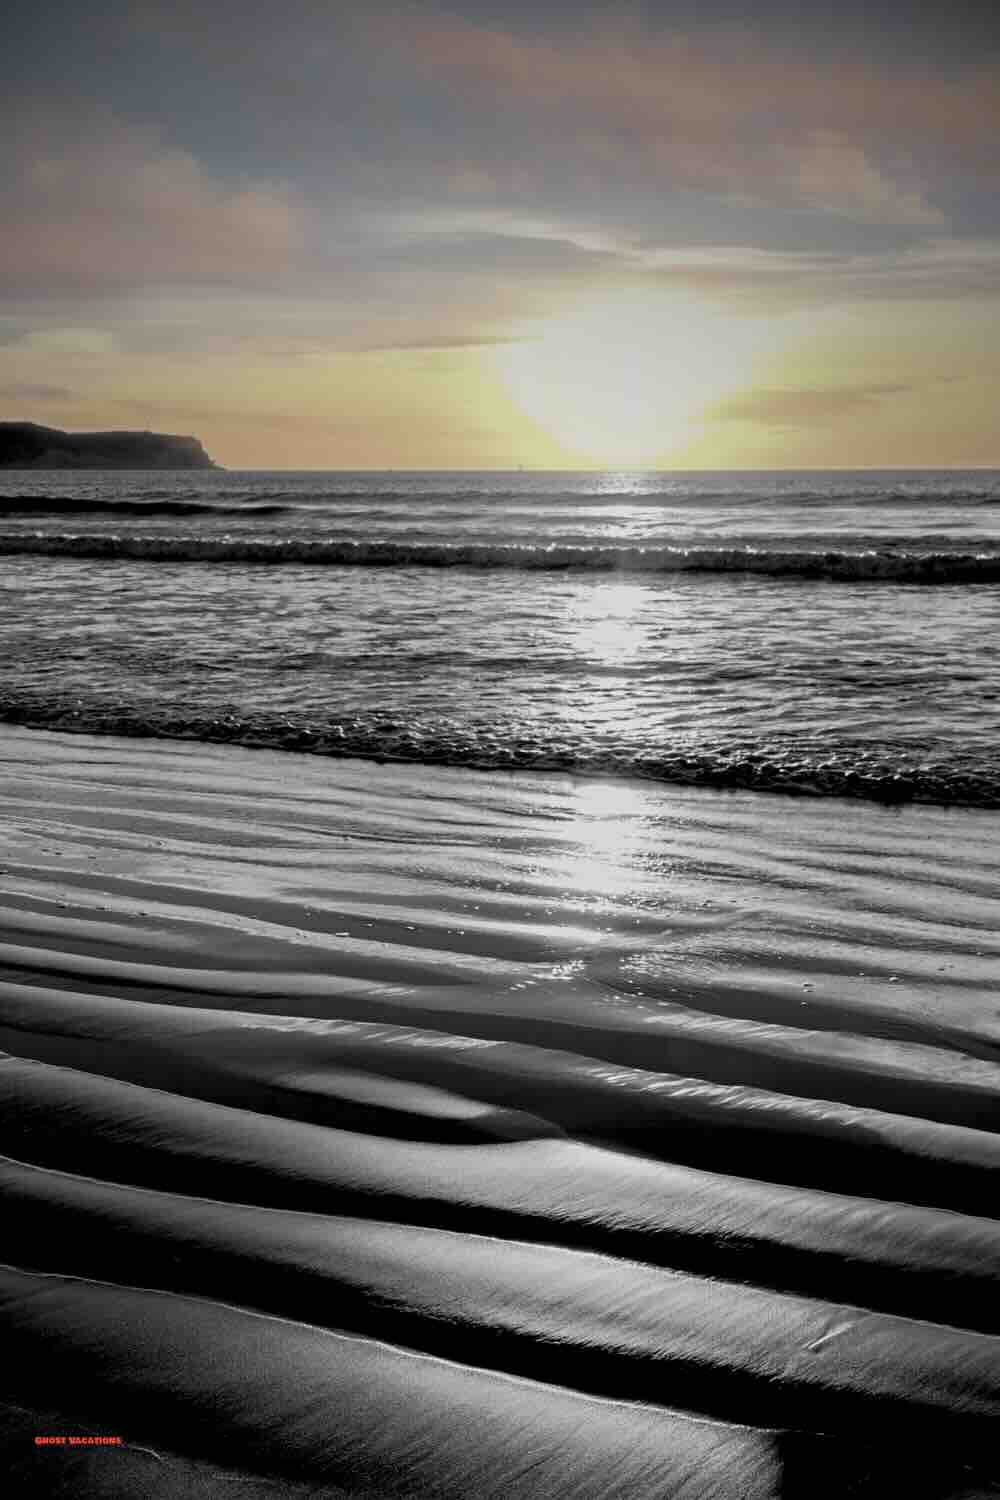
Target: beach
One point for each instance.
(384, 1129)
(500, 751)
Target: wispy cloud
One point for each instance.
(803, 408)
(937, 270)
(434, 343)
(837, 176)
(34, 391)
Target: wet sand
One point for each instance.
(370, 1130)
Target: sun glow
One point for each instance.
(624, 378)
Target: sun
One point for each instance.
(624, 378)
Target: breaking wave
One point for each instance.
(888, 566)
(888, 773)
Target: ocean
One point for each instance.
(821, 633)
(498, 985)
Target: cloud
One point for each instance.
(113, 206)
(720, 111)
(939, 270)
(68, 341)
(430, 246)
(627, 75)
(28, 391)
(434, 343)
(802, 408)
(836, 176)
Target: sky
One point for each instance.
(494, 233)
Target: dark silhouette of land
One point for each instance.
(27, 445)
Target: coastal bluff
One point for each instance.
(27, 445)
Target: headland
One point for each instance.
(27, 445)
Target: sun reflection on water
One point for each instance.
(605, 839)
(604, 626)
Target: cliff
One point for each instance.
(26, 445)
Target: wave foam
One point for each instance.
(892, 775)
(840, 566)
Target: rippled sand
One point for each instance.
(370, 1130)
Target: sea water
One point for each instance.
(801, 632)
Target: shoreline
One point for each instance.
(868, 780)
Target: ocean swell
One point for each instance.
(154, 504)
(887, 566)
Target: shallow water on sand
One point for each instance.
(651, 1129)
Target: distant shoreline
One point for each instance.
(27, 445)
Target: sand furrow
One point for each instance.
(589, 1322)
(293, 1399)
(922, 1263)
(429, 1084)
